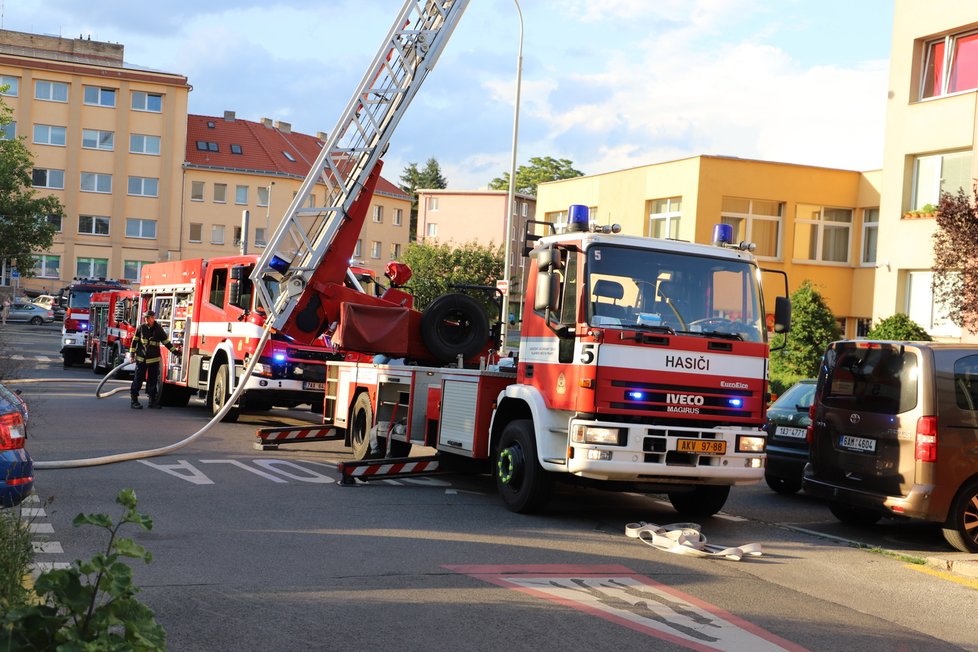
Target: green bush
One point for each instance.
(899, 327)
(92, 604)
(813, 328)
(16, 556)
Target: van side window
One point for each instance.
(966, 382)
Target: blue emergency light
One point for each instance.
(736, 402)
(636, 395)
(578, 218)
(723, 234)
(279, 357)
(279, 265)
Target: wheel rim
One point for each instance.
(969, 520)
(454, 327)
(359, 427)
(219, 397)
(509, 466)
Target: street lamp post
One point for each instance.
(511, 199)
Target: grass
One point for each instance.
(907, 559)
(16, 557)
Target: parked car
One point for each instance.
(50, 302)
(787, 446)
(30, 313)
(895, 431)
(16, 466)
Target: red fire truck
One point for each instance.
(207, 307)
(74, 329)
(112, 318)
(642, 363)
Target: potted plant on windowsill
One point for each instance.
(927, 210)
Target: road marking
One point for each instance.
(43, 566)
(48, 547)
(181, 469)
(622, 596)
(963, 581)
(32, 512)
(40, 528)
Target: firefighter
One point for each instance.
(145, 349)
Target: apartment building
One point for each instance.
(108, 142)
(931, 138)
(814, 223)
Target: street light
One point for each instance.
(511, 203)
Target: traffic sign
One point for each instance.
(14, 273)
(503, 286)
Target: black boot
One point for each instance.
(135, 405)
(154, 403)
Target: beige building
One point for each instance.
(810, 222)
(931, 136)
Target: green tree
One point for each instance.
(24, 227)
(899, 327)
(528, 177)
(813, 328)
(427, 178)
(437, 267)
(955, 252)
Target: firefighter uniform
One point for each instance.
(145, 349)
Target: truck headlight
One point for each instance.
(750, 443)
(598, 435)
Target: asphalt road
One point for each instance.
(266, 550)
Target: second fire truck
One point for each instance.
(74, 329)
(112, 320)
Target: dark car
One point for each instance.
(16, 466)
(787, 446)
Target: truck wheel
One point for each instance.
(360, 422)
(703, 500)
(854, 515)
(961, 528)
(522, 483)
(97, 369)
(783, 486)
(220, 394)
(453, 325)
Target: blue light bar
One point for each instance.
(723, 234)
(578, 218)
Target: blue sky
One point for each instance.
(608, 84)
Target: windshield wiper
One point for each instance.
(653, 328)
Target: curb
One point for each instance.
(962, 564)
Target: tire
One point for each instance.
(783, 486)
(220, 395)
(454, 325)
(850, 515)
(522, 483)
(360, 421)
(703, 500)
(97, 369)
(36, 321)
(961, 528)
(73, 358)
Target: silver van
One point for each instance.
(895, 431)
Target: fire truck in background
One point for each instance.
(207, 307)
(113, 317)
(77, 300)
(642, 364)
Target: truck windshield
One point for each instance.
(80, 299)
(659, 290)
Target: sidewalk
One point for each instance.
(962, 564)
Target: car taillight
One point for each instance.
(925, 449)
(11, 431)
(810, 430)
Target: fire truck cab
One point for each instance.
(113, 317)
(74, 329)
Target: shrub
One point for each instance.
(898, 327)
(813, 328)
(16, 556)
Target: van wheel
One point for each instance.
(854, 515)
(360, 422)
(961, 528)
(220, 394)
(782, 486)
(704, 500)
(522, 483)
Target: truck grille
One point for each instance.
(308, 354)
(655, 446)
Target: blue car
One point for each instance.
(16, 466)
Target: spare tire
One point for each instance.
(454, 325)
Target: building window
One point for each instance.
(8, 131)
(133, 269)
(143, 144)
(924, 309)
(358, 250)
(236, 236)
(93, 225)
(395, 251)
(664, 217)
(97, 139)
(50, 91)
(263, 195)
(261, 238)
(937, 173)
(194, 233)
(822, 234)
(144, 186)
(236, 149)
(950, 65)
(220, 193)
(151, 102)
(288, 156)
(398, 217)
(56, 222)
(757, 221)
(97, 96)
(432, 231)
(378, 214)
(871, 229)
(432, 203)
(92, 267)
(47, 266)
(10, 85)
(196, 191)
(524, 209)
(375, 249)
(96, 182)
(50, 135)
(241, 195)
(45, 178)
(140, 228)
(207, 146)
(217, 234)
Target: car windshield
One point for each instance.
(870, 377)
(798, 396)
(663, 291)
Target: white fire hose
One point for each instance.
(686, 539)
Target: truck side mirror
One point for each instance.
(547, 292)
(782, 315)
(234, 290)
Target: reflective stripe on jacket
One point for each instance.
(146, 343)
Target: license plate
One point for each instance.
(790, 433)
(311, 385)
(702, 446)
(858, 443)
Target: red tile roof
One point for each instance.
(263, 149)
